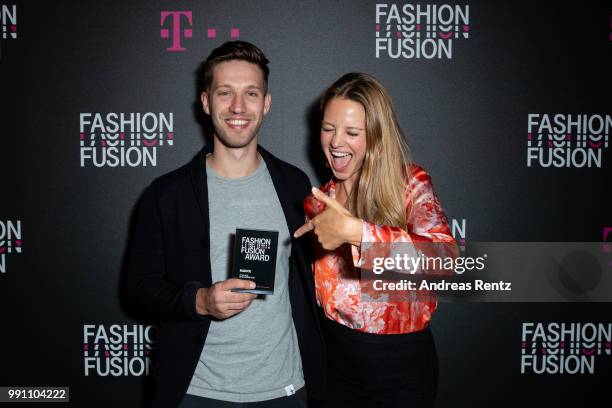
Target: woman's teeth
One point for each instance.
(340, 160)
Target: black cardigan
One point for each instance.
(169, 261)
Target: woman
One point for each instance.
(380, 353)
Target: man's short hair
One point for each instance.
(235, 50)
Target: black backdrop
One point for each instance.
(64, 222)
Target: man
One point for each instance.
(219, 348)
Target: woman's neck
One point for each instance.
(343, 191)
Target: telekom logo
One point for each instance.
(175, 24)
(177, 32)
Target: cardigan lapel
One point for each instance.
(283, 191)
(294, 218)
(197, 170)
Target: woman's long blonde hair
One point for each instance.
(379, 194)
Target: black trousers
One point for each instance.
(381, 371)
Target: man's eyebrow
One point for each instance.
(216, 87)
(252, 86)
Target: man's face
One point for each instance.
(236, 102)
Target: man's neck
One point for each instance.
(234, 162)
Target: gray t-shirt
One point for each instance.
(254, 355)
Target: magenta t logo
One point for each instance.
(175, 24)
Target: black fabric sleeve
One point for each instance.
(148, 286)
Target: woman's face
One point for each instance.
(343, 137)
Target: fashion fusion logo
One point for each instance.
(567, 140)
(174, 29)
(124, 139)
(118, 350)
(564, 348)
(10, 241)
(8, 21)
(414, 31)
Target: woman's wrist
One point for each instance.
(355, 231)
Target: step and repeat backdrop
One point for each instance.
(507, 104)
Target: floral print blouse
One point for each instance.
(337, 272)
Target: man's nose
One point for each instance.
(237, 105)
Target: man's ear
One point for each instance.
(205, 105)
(267, 102)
